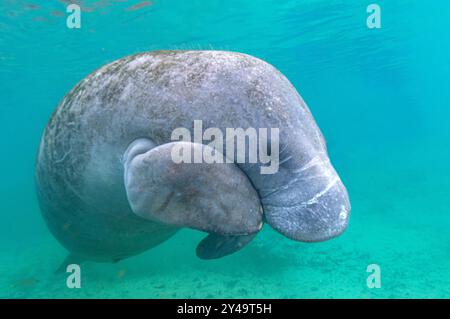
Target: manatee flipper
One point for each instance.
(216, 198)
(70, 259)
(216, 246)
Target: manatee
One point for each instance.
(108, 186)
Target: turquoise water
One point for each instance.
(380, 96)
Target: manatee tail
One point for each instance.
(216, 198)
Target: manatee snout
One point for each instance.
(313, 206)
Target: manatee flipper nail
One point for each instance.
(216, 246)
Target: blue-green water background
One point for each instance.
(381, 98)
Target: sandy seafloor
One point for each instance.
(413, 254)
(381, 98)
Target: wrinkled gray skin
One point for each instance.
(109, 190)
